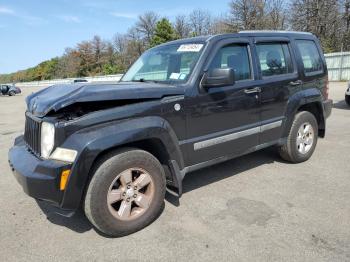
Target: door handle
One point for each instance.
(252, 90)
(296, 83)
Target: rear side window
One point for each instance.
(236, 57)
(275, 59)
(311, 57)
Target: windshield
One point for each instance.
(170, 63)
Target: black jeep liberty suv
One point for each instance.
(113, 149)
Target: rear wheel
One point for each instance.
(347, 99)
(126, 192)
(302, 138)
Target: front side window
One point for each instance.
(170, 63)
(274, 58)
(311, 58)
(235, 57)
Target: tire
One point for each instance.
(11, 93)
(347, 99)
(292, 151)
(110, 170)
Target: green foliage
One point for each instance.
(88, 58)
(109, 69)
(164, 32)
(44, 71)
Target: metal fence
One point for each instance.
(338, 66)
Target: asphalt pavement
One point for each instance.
(254, 208)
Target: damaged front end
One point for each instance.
(81, 109)
(68, 126)
(56, 98)
(57, 112)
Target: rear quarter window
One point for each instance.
(310, 56)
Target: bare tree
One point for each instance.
(346, 15)
(248, 14)
(320, 17)
(69, 64)
(222, 25)
(87, 58)
(201, 22)
(135, 37)
(346, 26)
(99, 48)
(276, 14)
(146, 25)
(109, 55)
(181, 27)
(120, 42)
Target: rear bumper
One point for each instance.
(39, 178)
(327, 107)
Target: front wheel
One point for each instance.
(126, 192)
(302, 138)
(12, 93)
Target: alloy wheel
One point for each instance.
(130, 194)
(305, 138)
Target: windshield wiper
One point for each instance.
(142, 80)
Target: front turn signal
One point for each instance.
(64, 179)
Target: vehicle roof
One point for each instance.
(260, 33)
(273, 33)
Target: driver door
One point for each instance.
(224, 120)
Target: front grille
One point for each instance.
(32, 134)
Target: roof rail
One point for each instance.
(274, 31)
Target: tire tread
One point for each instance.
(287, 151)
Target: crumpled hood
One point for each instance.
(60, 96)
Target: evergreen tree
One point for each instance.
(164, 32)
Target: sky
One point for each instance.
(32, 31)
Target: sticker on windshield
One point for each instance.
(174, 76)
(178, 76)
(190, 48)
(182, 76)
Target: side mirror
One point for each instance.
(218, 77)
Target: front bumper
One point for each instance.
(327, 106)
(39, 178)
